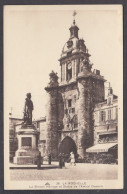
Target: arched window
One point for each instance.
(69, 71)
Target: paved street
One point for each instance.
(78, 172)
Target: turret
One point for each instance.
(52, 116)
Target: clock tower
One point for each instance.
(73, 54)
(70, 103)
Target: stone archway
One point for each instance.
(67, 145)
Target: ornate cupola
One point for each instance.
(73, 30)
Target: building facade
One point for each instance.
(105, 148)
(106, 120)
(70, 103)
(40, 125)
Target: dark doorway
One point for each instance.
(67, 145)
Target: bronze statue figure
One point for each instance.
(28, 110)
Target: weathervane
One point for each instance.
(74, 14)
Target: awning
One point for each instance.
(105, 132)
(101, 147)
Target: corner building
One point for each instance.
(70, 103)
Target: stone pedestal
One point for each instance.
(27, 146)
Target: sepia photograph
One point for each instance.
(63, 97)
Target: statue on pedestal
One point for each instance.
(28, 110)
(28, 135)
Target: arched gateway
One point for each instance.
(67, 145)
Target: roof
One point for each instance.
(115, 98)
(101, 147)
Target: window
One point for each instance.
(109, 101)
(74, 98)
(38, 124)
(102, 116)
(69, 110)
(69, 103)
(69, 43)
(109, 114)
(73, 110)
(69, 74)
(75, 125)
(66, 111)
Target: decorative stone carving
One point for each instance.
(53, 79)
(67, 120)
(74, 121)
(84, 83)
(85, 66)
(70, 122)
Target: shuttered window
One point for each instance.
(109, 114)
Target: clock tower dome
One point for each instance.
(73, 54)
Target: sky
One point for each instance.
(33, 40)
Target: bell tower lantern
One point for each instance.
(73, 30)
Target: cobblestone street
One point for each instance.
(78, 172)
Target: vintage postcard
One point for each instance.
(63, 97)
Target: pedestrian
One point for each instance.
(60, 160)
(63, 160)
(72, 157)
(49, 158)
(39, 161)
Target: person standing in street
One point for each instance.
(49, 159)
(63, 160)
(39, 161)
(60, 160)
(72, 157)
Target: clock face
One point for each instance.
(69, 65)
(69, 43)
